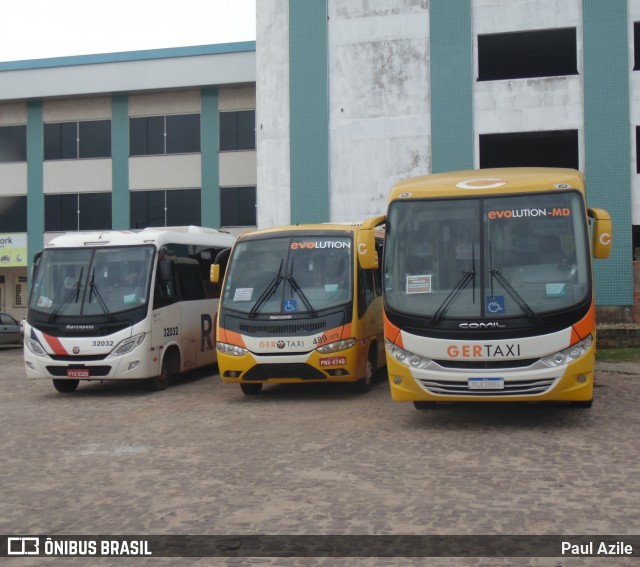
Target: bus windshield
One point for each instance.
(288, 275)
(91, 281)
(487, 257)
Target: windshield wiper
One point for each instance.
(297, 289)
(93, 287)
(267, 293)
(453, 295)
(75, 290)
(497, 274)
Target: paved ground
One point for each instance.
(201, 458)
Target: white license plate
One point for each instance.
(77, 373)
(486, 384)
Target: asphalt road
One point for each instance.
(202, 458)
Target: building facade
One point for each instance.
(353, 96)
(123, 141)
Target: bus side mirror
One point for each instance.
(602, 233)
(214, 274)
(165, 270)
(367, 253)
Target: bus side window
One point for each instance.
(164, 290)
(366, 290)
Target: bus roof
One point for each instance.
(487, 181)
(196, 235)
(305, 228)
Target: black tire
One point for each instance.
(66, 386)
(160, 382)
(582, 404)
(251, 388)
(424, 405)
(363, 385)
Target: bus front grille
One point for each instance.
(282, 329)
(520, 388)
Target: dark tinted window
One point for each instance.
(13, 214)
(61, 140)
(95, 211)
(147, 209)
(183, 133)
(636, 45)
(237, 130)
(95, 139)
(530, 149)
(238, 206)
(183, 207)
(146, 136)
(61, 212)
(13, 143)
(542, 53)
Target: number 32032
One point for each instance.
(171, 331)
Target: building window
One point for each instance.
(77, 211)
(74, 140)
(518, 55)
(176, 207)
(557, 148)
(238, 206)
(160, 135)
(13, 143)
(238, 130)
(13, 214)
(20, 297)
(637, 149)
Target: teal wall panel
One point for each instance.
(309, 111)
(210, 147)
(35, 180)
(607, 138)
(120, 203)
(451, 65)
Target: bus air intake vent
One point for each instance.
(520, 388)
(282, 329)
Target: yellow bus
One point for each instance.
(302, 304)
(488, 287)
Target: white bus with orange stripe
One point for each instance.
(123, 305)
(302, 304)
(489, 288)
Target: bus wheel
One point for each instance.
(66, 386)
(363, 385)
(424, 405)
(251, 388)
(161, 381)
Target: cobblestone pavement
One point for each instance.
(202, 458)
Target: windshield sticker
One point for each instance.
(419, 284)
(321, 244)
(243, 294)
(556, 290)
(330, 287)
(290, 305)
(529, 213)
(44, 302)
(495, 304)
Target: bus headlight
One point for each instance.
(569, 354)
(231, 349)
(405, 357)
(335, 347)
(128, 345)
(34, 347)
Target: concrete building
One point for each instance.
(353, 96)
(123, 140)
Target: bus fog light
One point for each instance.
(133, 365)
(397, 380)
(582, 378)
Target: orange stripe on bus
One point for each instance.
(392, 332)
(55, 344)
(585, 326)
